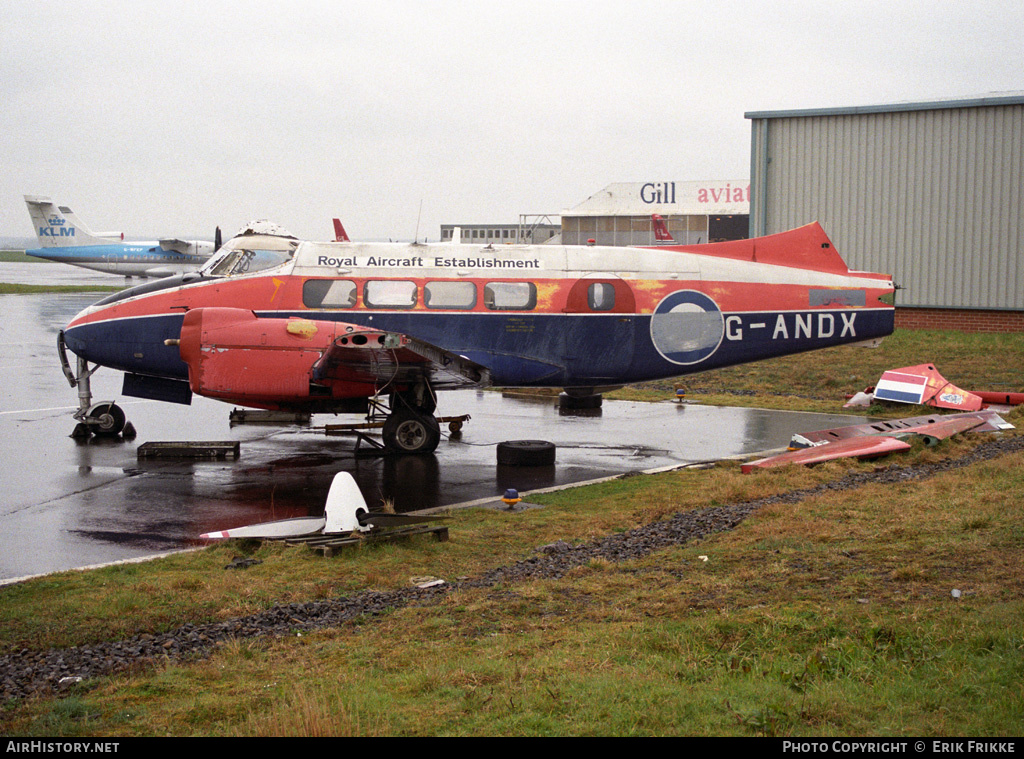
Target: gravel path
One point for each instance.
(28, 673)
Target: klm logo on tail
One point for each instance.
(57, 226)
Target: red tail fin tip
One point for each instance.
(339, 232)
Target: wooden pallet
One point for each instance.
(186, 450)
(328, 545)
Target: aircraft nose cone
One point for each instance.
(134, 345)
(73, 340)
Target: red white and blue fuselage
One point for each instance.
(554, 316)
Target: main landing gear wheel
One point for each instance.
(426, 403)
(409, 432)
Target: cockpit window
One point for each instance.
(245, 254)
(246, 261)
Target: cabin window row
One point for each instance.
(405, 294)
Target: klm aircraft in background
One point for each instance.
(65, 239)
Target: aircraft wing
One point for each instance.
(173, 243)
(234, 355)
(395, 358)
(187, 247)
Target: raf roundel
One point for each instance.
(687, 327)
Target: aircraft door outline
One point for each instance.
(604, 330)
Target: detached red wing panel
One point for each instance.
(861, 447)
(935, 425)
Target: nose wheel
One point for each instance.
(106, 420)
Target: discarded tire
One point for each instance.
(526, 453)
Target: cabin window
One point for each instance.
(510, 296)
(329, 293)
(601, 296)
(390, 293)
(457, 295)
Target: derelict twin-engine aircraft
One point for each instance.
(275, 323)
(63, 238)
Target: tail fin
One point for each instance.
(661, 233)
(59, 227)
(339, 232)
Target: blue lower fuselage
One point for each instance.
(556, 350)
(130, 260)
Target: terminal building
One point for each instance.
(525, 232)
(930, 192)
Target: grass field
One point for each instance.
(829, 614)
(18, 257)
(7, 288)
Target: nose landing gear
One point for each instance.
(104, 419)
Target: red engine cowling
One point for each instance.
(234, 356)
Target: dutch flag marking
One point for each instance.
(905, 388)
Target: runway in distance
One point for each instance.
(273, 322)
(63, 238)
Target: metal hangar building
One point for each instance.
(932, 192)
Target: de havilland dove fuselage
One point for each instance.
(271, 322)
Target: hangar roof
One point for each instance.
(992, 99)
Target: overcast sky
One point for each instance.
(170, 118)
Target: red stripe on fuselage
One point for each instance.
(284, 293)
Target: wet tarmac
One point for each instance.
(69, 503)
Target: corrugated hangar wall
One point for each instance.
(929, 192)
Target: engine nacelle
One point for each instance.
(234, 355)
